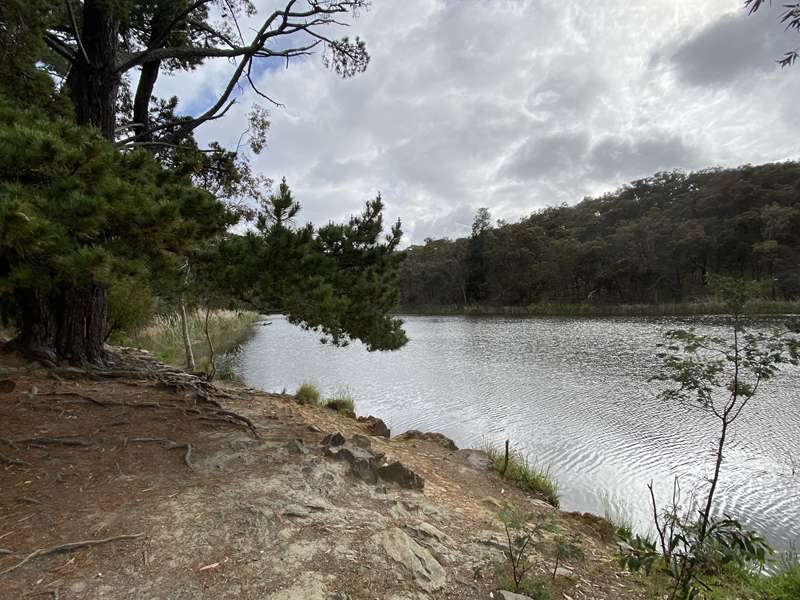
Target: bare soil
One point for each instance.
(150, 486)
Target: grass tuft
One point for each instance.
(524, 473)
(342, 402)
(308, 393)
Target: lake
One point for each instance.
(569, 393)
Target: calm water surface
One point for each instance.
(570, 393)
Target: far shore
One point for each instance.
(682, 309)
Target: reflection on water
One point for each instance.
(571, 393)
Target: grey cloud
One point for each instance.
(516, 104)
(734, 46)
(551, 154)
(627, 158)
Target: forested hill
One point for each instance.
(651, 241)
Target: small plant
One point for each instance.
(527, 475)
(307, 393)
(524, 533)
(566, 547)
(342, 402)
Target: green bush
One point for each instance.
(308, 393)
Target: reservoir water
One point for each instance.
(569, 393)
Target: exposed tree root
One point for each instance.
(46, 441)
(14, 461)
(167, 444)
(70, 547)
(4, 551)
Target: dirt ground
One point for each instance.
(126, 486)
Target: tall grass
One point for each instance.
(227, 329)
(524, 473)
(342, 402)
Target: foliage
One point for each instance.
(308, 393)
(524, 534)
(719, 375)
(74, 213)
(695, 553)
(523, 473)
(338, 280)
(653, 241)
(790, 18)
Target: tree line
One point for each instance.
(654, 240)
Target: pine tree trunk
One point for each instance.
(82, 324)
(70, 322)
(38, 331)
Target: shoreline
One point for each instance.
(685, 309)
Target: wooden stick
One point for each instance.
(69, 548)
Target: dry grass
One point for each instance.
(228, 330)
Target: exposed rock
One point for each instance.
(564, 572)
(436, 438)
(477, 459)
(361, 441)
(503, 595)
(296, 510)
(314, 428)
(375, 426)
(401, 475)
(492, 503)
(296, 447)
(339, 596)
(427, 572)
(334, 439)
(363, 463)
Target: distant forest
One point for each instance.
(652, 241)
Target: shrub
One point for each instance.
(307, 393)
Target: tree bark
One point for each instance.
(187, 340)
(93, 81)
(38, 331)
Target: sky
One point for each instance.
(515, 105)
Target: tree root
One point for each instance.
(168, 445)
(46, 441)
(69, 548)
(14, 461)
(4, 551)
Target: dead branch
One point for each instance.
(4, 551)
(70, 547)
(81, 397)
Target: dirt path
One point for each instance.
(212, 509)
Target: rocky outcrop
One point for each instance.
(375, 426)
(436, 438)
(425, 569)
(477, 459)
(367, 465)
(401, 475)
(503, 595)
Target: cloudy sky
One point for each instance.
(517, 104)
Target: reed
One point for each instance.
(523, 473)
